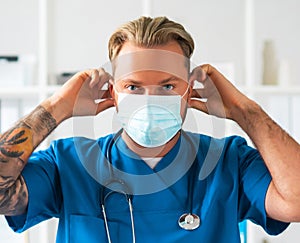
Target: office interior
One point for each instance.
(44, 42)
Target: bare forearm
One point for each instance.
(280, 151)
(16, 145)
(76, 97)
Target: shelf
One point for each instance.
(19, 92)
(26, 91)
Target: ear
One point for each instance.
(190, 91)
(112, 92)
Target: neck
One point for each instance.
(160, 151)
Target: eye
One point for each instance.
(132, 87)
(168, 87)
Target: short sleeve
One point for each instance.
(254, 183)
(44, 193)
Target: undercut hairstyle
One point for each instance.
(150, 32)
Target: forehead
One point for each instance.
(167, 58)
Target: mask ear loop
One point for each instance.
(190, 87)
(186, 91)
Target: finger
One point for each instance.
(94, 77)
(105, 104)
(198, 93)
(104, 79)
(79, 79)
(104, 76)
(223, 86)
(104, 94)
(199, 105)
(198, 74)
(213, 73)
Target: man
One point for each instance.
(151, 181)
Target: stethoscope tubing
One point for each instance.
(128, 199)
(187, 221)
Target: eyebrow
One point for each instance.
(172, 78)
(164, 81)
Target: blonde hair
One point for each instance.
(149, 32)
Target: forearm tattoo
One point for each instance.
(16, 145)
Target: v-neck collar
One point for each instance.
(126, 160)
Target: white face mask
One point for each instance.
(150, 120)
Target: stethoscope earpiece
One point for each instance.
(189, 221)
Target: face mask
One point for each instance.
(150, 120)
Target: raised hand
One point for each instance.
(218, 96)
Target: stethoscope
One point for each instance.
(187, 221)
(125, 191)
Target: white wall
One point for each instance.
(216, 26)
(279, 21)
(79, 31)
(18, 27)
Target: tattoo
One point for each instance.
(2, 159)
(5, 181)
(15, 148)
(8, 141)
(13, 200)
(16, 145)
(41, 119)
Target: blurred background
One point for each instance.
(253, 42)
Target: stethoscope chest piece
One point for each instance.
(189, 221)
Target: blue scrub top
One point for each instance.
(229, 182)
